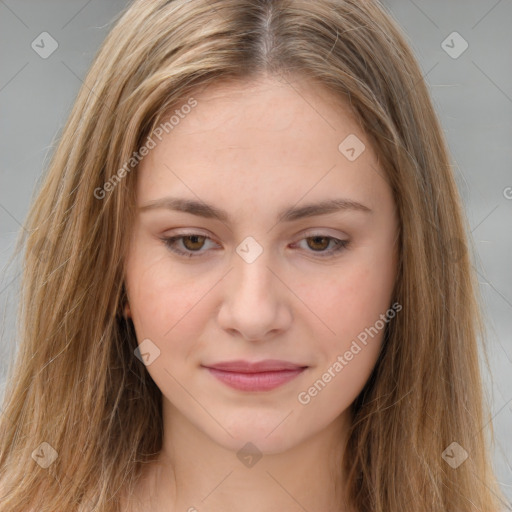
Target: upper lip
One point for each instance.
(268, 365)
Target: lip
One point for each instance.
(267, 365)
(255, 376)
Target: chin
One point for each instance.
(269, 437)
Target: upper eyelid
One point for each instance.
(306, 233)
(302, 236)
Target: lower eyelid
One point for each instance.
(339, 244)
(171, 241)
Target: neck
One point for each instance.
(194, 474)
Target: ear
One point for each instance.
(127, 313)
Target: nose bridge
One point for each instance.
(252, 275)
(252, 300)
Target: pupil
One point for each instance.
(194, 238)
(316, 238)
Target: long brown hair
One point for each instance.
(76, 384)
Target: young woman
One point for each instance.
(247, 282)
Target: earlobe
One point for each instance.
(127, 313)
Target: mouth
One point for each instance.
(256, 376)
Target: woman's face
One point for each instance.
(259, 273)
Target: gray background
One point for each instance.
(472, 94)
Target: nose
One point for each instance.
(255, 302)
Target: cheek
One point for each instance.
(162, 300)
(350, 306)
(348, 299)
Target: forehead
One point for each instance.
(273, 101)
(267, 137)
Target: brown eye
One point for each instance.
(324, 246)
(193, 242)
(320, 243)
(190, 245)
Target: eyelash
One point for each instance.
(170, 243)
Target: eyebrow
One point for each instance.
(209, 211)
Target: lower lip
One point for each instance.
(262, 381)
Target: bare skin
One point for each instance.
(254, 149)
